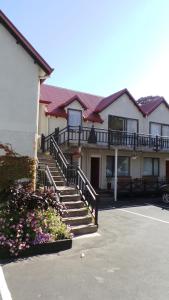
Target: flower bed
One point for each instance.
(38, 249)
(30, 223)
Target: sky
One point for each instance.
(99, 46)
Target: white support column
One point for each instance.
(115, 174)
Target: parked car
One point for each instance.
(165, 193)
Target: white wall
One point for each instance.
(54, 122)
(19, 96)
(159, 115)
(123, 107)
(136, 165)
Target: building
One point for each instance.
(120, 143)
(116, 139)
(22, 72)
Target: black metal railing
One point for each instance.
(73, 175)
(124, 139)
(140, 185)
(45, 177)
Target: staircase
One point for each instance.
(76, 214)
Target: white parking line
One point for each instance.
(145, 216)
(4, 292)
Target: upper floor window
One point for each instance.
(159, 129)
(74, 117)
(122, 124)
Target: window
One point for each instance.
(74, 117)
(155, 129)
(165, 130)
(123, 166)
(159, 129)
(123, 124)
(151, 166)
(116, 123)
(131, 125)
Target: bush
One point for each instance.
(14, 167)
(28, 218)
(18, 231)
(22, 197)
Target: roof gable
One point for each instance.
(105, 102)
(24, 42)
(149, 104)
(61, 97)
(72, 99)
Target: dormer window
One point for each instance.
(74, 117)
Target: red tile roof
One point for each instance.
(72, 99)
(25, 44)
(110, 99)
(150, 103)
(60, 97)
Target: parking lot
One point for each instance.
(127, 260)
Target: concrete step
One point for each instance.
(44, 159)
(66, 190)
(68, 198)
(57, 177)
(74, 221)
(77, 212)
(74, 204)
(51, 164)
(55, 172)
(83, 229)
(59, 183)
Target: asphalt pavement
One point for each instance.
(127, 260)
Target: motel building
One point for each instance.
(122, 145)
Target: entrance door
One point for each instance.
(167, 170)
(94, 174)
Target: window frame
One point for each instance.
(68, 112)
(157, 123)
(152, 160)
(125, 121)
(113, 158)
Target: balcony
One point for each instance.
(111, 138)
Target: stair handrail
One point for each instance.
(59, 151)
(92, 193)
(79, 177)
(50, 177)
(87, 181)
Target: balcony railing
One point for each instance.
(135, 141)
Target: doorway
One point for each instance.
(95, 171)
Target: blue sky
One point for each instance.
(99, 46)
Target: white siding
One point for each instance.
(136, 165)
(159, 115)
(19, 96)
(123, 107)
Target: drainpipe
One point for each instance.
(115, 174)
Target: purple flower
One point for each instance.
(41, 238)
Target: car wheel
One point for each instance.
(165, 197)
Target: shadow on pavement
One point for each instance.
(126, 202)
